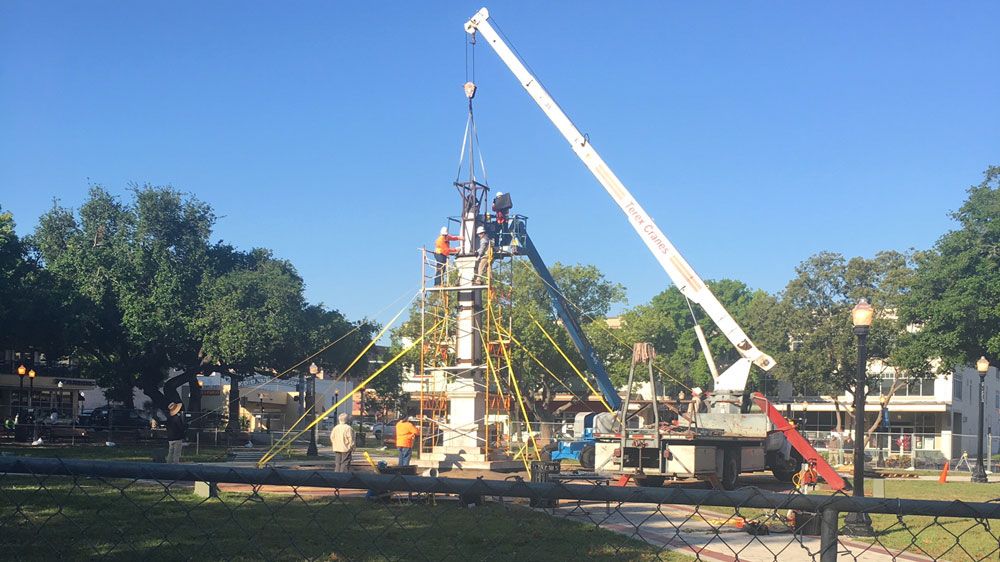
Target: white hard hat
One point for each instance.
(499, 193)
(696, 391)
(444, 230)
(480, 230)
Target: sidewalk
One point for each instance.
(712, 535)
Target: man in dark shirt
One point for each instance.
(175, 432)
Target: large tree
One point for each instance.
(35, 308)
(135, 268)
(954, 301)
(667, 322)
(251, 321)
(814, 315)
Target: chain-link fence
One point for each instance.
(56, 509)
(909, 451)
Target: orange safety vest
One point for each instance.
(441, 245)
(405, 432)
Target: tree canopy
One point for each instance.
(151, 296)
(954, 299)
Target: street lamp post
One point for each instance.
(260, 401)
(979, 474)
(859, 523)
(311, 397)
(336, 398)
(21, 372)
(31, 388)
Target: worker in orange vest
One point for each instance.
(442, 249)
(405, 433)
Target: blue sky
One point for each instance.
(756, 134)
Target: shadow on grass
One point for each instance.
(63, 518)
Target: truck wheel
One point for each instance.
(649, 481)
(730, 470)
(587, 457)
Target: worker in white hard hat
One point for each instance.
(501, 207)
(484, 254)
(443, 249)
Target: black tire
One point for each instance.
(782, 475)
(649, 481)
(784, 469)
(546, 453)
(730, 469)
(587, 457)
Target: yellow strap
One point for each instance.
(570, 363)
(370, 460)
(284, 436)
(349, 395)
(520, 402)
(489, 366)
(547, 370)
(371, 343)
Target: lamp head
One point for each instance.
(982, 366)
(31, 374)
(313, 369)
(862, 314)
(22, 370)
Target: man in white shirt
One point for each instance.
(342, 440)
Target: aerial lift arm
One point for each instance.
(569, 320)
(733, 380)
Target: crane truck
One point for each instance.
(717, 445)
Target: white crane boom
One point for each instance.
(733, 379)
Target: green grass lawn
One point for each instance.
(947, 538)
(126, 452)
(93, 519)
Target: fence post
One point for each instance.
(828, 535)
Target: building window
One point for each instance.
(956, 380)
(913, 386)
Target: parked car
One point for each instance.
(121, 420)
(60, 428)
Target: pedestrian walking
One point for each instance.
(342, 441)
(175, 432)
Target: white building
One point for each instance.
(940, 415)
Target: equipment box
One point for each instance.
(691, 459)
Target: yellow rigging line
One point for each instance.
(520, 402)
(549, 371)
(281, 441)
(570, 363)
(348, 396)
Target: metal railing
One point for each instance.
(909, 450)
(56, 509)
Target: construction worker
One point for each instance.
(405, 434)
(484, 254)
(443, 249)
(342, 441)
(501, 208)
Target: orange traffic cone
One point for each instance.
(944, 474)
